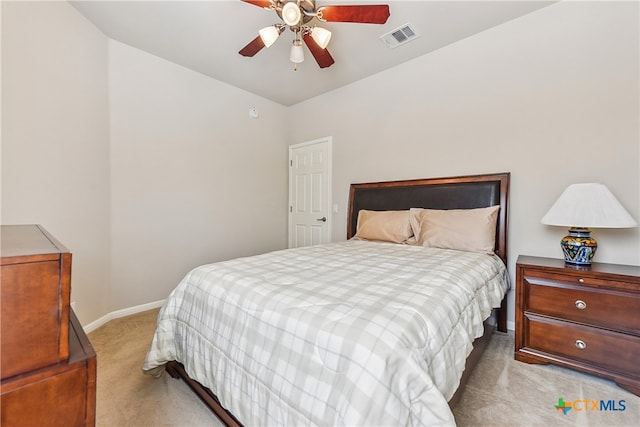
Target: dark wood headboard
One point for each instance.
(462, 192)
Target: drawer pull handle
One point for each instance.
(581, 280)
(581, 345)
(581, 305)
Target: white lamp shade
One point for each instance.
(297, 53)
(321, 36)
(291, 13)
(269, 35)
(588, 205)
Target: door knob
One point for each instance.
(323, 219)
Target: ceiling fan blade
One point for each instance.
(322, 56)
(253, 47)
(260, 3)
(367, 14)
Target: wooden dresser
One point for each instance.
(584, 319)
(48, 366)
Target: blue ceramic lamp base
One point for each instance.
(579, 247)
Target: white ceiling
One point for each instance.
(206, 36)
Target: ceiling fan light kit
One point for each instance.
(297, 53)
(296, 14)
(269, 35)
(291, 14)
(321, 36)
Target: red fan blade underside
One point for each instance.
(259, 3)
(253, 47)
(322, 56)
(367, 14)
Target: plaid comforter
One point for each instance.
(350, 333)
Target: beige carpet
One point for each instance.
(501, 392)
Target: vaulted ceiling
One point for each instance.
(206, 36)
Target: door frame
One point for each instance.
(328, 141)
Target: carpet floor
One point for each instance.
(501, 391)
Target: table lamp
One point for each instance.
(581, 207)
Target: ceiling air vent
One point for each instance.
(399, 36)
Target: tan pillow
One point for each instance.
(386, 226)
(471, 230)
(414, 220)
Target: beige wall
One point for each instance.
(551, 97)
(144, 169)
(55, 138)
(194, 178)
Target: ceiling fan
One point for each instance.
(298, 14)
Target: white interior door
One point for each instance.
(310, 193)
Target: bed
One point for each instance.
(369, 331)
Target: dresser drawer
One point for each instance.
(613, 351)
(34, 307)
(68, 387)
(35, 286)
(63, 394)
(613, 309)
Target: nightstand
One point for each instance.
(584, 319)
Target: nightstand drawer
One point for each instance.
(610, 350)
(607, 308)
(584, 278)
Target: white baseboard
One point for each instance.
(121, 313)
(511, 325)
